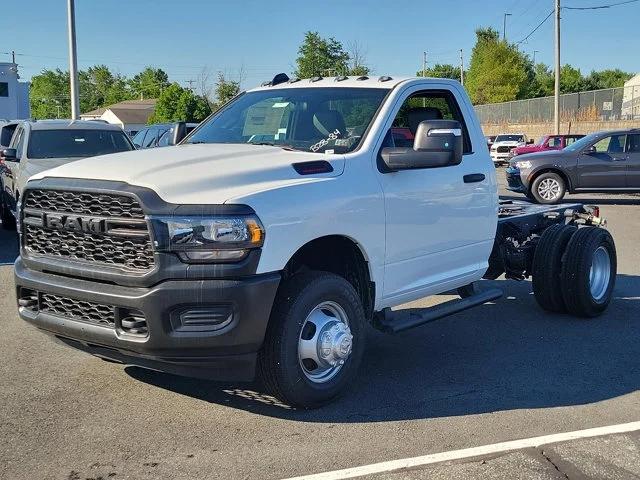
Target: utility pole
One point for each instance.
(504, 26)
(424, 64)
(461, 68)
(13, 57)
(190, 82)
(556, 99)
(73, 60)
(534, 57)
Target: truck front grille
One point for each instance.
(92, 228)
(503, 149)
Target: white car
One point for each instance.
(503, 144)
(267, 240)
(37, 146)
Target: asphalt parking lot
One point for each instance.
(500, 372)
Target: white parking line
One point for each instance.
(469, 452)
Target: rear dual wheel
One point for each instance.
(574, 270)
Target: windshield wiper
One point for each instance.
(273, 144)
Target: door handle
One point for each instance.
(473, 177)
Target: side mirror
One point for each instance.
(591, 149)
(9, 155)
(179, 131)
(437, 143)
(530, 142)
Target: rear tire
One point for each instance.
(8, 220)
(548, 188)
(589, 272)
(306, 303)
(547, 266)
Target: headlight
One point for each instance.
(523, 165)
(208, 239)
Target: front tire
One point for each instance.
(589, 272)
(548, 188)
(315, 340)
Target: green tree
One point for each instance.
(319, 56)
(571, 80)
(225, 89)
(49, 94)
(543, 81)
(99, 87)
(440, 70)
(498, 72)
(149, 83)
(179, 104)
(607, 79)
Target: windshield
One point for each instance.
(76, 143)
(584, 142)
(509, 138)
(317, 119)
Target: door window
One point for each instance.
(613, 144)
(426, 105)
(139, 138)
(16, 141)
(555, 142)
(571, 140)
(150, 139)
(634, 144)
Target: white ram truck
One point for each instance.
(301, 212)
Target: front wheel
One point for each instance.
(315, 340)
(548, 188)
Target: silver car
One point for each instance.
(41, 145)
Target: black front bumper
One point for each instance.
(514, 180)
(229, 353)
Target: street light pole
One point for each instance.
(461, 68)
(73, 61)
(504, 26)
(534, 57)
(556, 99)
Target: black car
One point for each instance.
(158, 135)
(600, 162)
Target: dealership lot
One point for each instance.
(501, 372)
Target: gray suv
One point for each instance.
(600, 162)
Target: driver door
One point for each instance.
(440, 222)
(606, 166)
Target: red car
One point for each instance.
(548, 142)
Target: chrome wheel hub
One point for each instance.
(549, 189)
(325, 342)
(600, 273)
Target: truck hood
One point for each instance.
(187, 174)
(543, 157)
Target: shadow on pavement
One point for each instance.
(503, 356)
(9, 250)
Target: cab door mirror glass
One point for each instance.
(437, 143)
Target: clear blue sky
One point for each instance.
(262, 37)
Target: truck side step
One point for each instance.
(400, 320)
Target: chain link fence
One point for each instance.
(595, 105)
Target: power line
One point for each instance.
(536, 29)
(599, 7)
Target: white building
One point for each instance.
(14, 95)
(130, 115)
(631, 98)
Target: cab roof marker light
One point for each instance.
(364, 77)
(315, 79)
(340, 78)
(384, 78)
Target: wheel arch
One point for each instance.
(341, 255)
